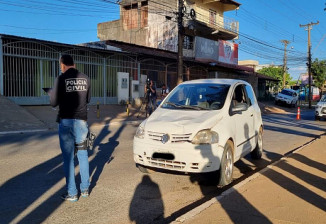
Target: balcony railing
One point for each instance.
(219, 23)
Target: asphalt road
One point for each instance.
(32, 179)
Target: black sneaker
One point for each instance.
(84, 194)
(68, 197)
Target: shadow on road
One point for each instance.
(20, 192)
(147, 204)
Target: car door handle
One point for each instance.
(251, 115)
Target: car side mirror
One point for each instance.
(239, 108)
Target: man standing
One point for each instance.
(164, 91)
(72, 93)
(151, 97)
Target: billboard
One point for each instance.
(228, 52)
(206, 50)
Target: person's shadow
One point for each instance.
(147, 204)
(105, 152)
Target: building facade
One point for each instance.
(141, 44)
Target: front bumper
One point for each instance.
(320, 112)
(181, 157)
(284, 101)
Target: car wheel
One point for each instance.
(226, 168)
(142, 168)
(316, 118)
(258, 151)
(276, 102)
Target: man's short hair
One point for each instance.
(67, 60)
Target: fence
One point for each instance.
(29, 66)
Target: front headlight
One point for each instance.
(205, 137)
(140, 133)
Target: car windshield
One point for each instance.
(323, 98)
(199, 96)
(286, 92)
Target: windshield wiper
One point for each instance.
(172, 104)
(186, 106)
(194, 107)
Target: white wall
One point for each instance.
(123, 86)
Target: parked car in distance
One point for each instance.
(320, 109)
(287, 96)
(202, 126)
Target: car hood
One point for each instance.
(321, 104)
(182, 121)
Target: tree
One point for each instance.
(276, 73)
(318, 71)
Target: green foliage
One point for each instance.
(277, 73)
(318, 71)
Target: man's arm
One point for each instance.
(153, 89)
(53, 93)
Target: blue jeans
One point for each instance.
(73, 131)
(151, 105)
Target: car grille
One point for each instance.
(174, 138)
(161, 163)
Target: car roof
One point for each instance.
(216, 81)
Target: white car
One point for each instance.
(320, 109)
(201, 126)
(287, 96)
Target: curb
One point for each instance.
(22, 131)
(207, 204)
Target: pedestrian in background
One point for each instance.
(164, 91)
(152, 98)
(72, 94)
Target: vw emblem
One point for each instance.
(165, 138)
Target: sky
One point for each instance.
(263, 24)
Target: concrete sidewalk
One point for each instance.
(108, 114)
(292, 190)
(17, 119)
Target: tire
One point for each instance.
(227, 165)
(258, 151)
(317, 118)
(142, 168)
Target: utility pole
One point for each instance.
(309, 27)
(285, 42)
(180, 42)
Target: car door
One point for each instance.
(243, 121)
